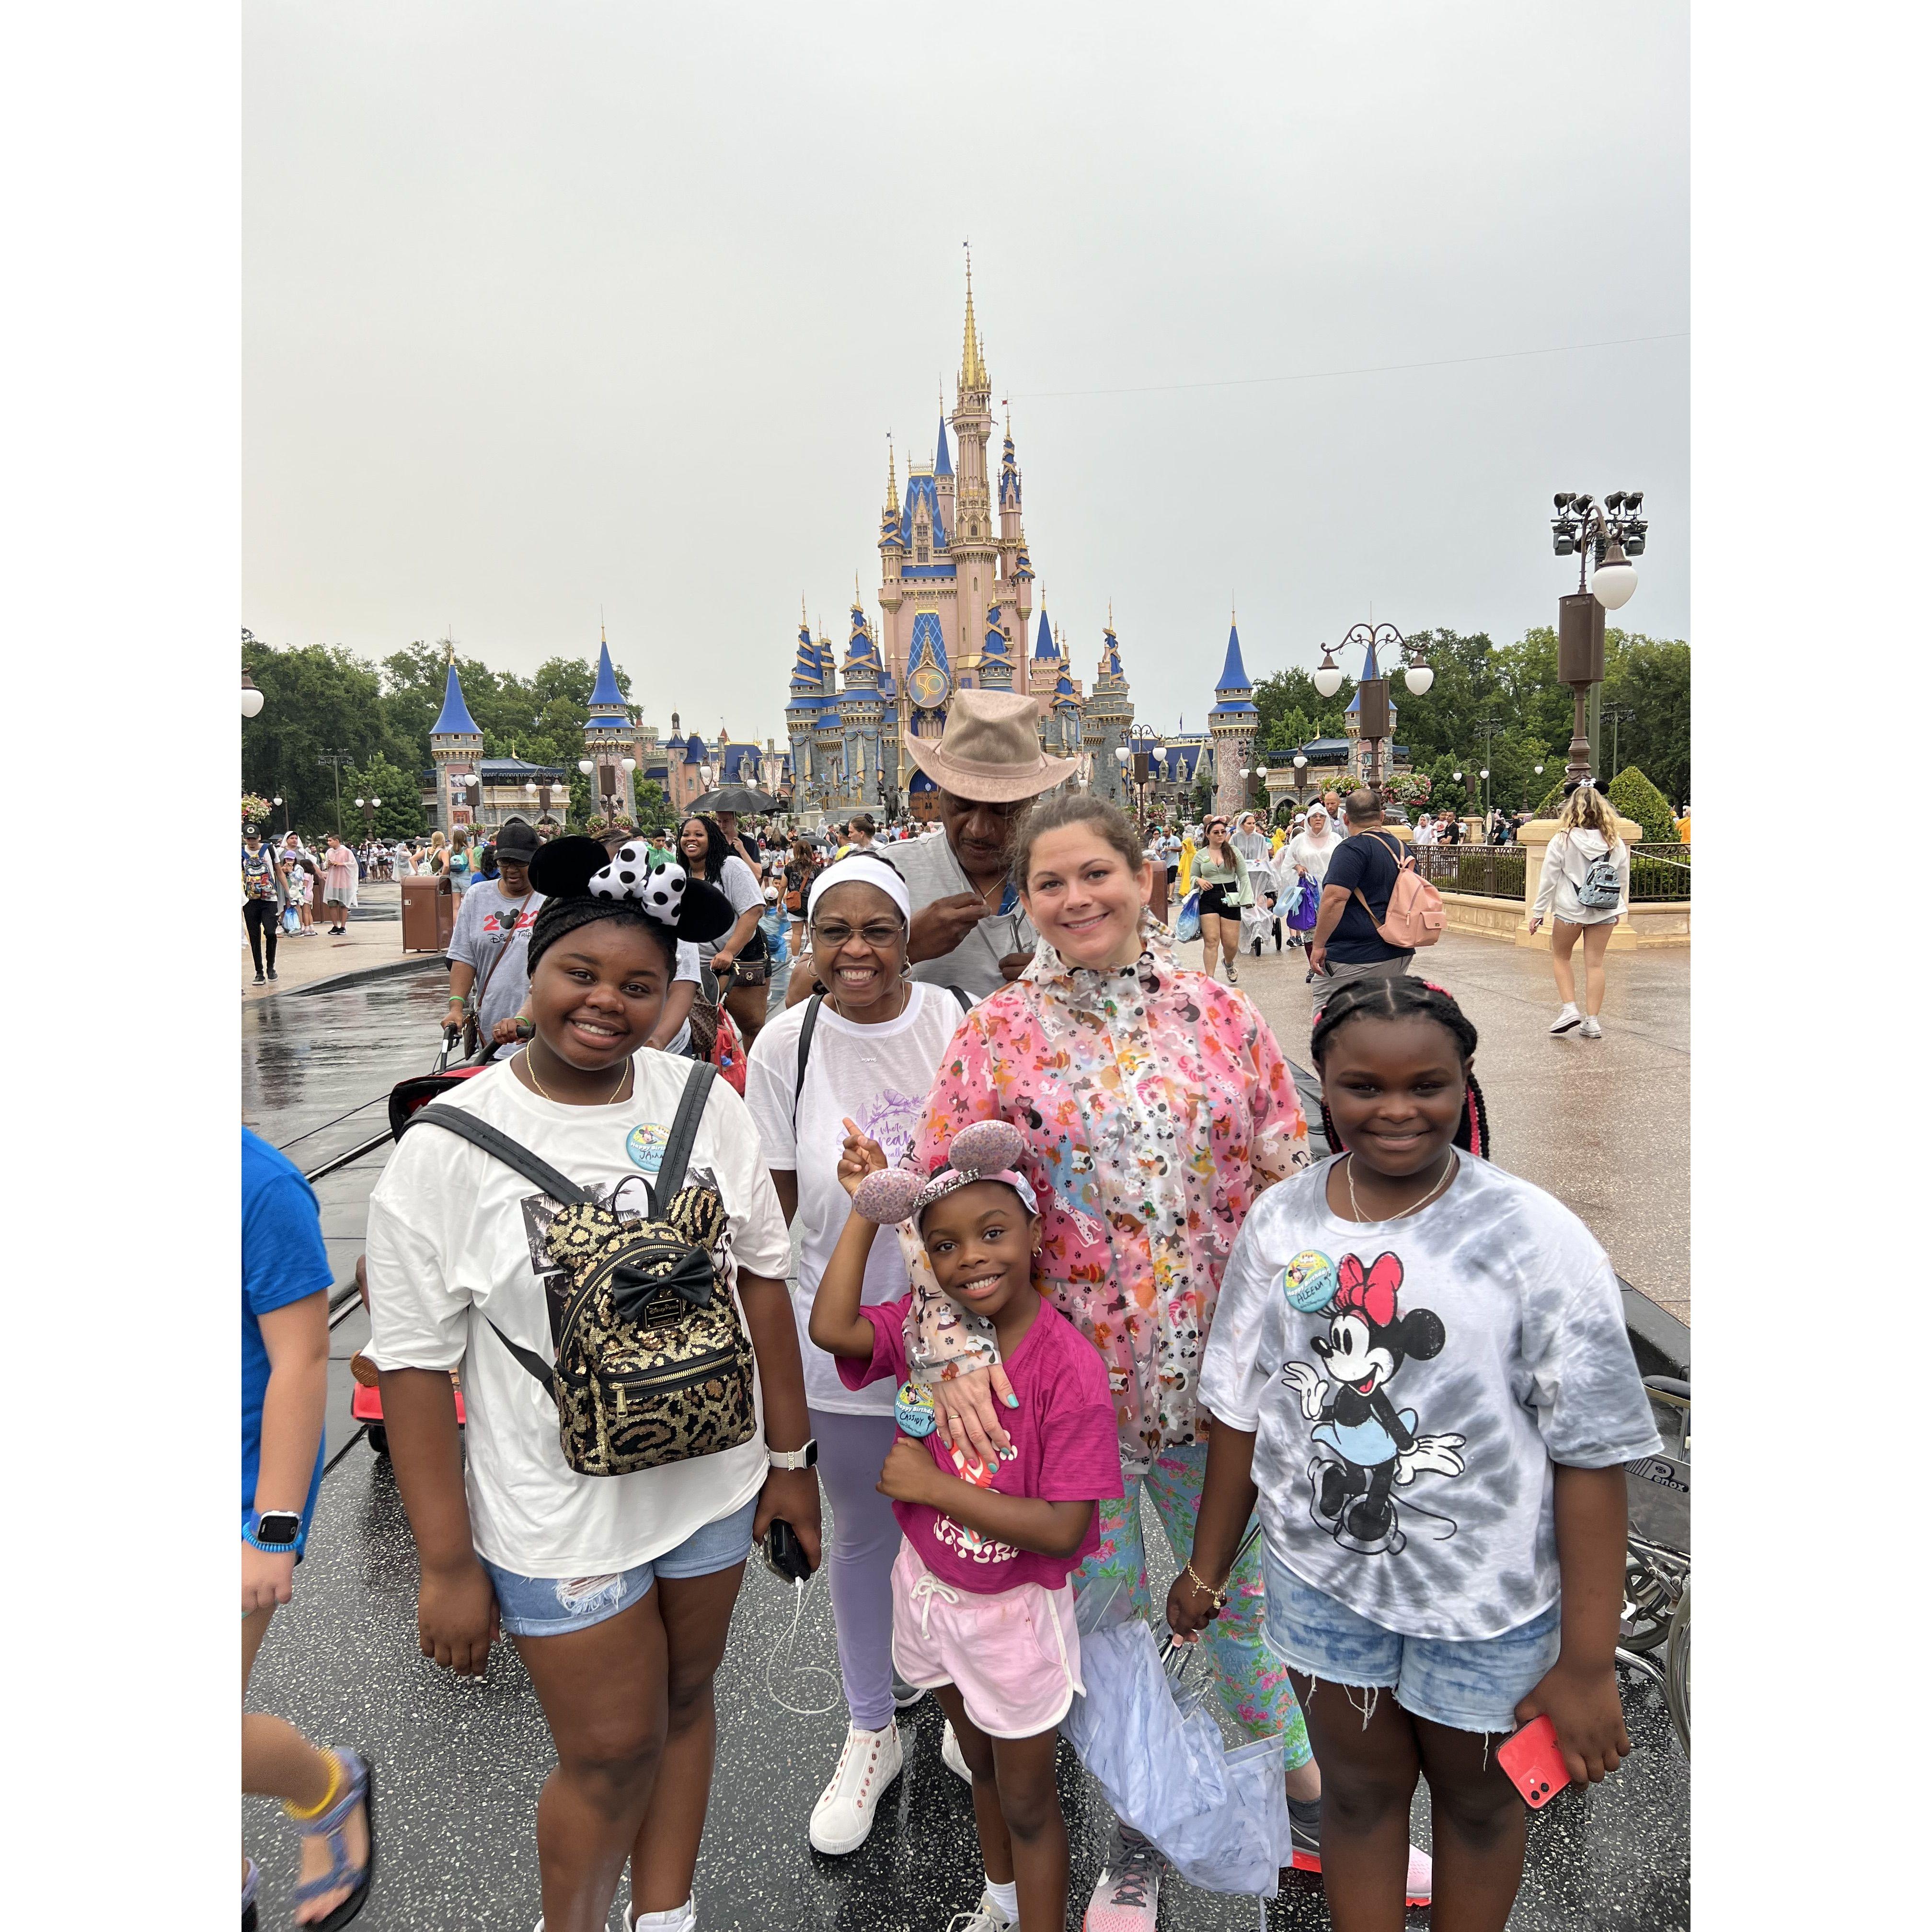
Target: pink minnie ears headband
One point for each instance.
(985, 1151)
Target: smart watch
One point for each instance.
(275, 1531)
(806, 1458)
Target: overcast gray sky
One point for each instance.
(550, 307)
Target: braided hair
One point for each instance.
(1404, 997)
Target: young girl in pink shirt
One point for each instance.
(983, 1612)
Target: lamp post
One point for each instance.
(1372, 694)
(1608, 534)
(1617, 714)
(1136, 758)
(367, 808)
(338, 759)
(1489, 727)
(283, 804)
(1526, 802)
(252, 699)
(1484, 775)
(1300, 774)
(544, 790)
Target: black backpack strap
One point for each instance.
(964, 998)
(684, 1128)
(494, 1140)
(809, 1027)
(533, 1167)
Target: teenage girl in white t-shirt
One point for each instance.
(876, 1041)
(1419, 1365)
(617, 1591)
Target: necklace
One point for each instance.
(1355, 1207)
(611, 1099)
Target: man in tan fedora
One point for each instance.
(967, 928)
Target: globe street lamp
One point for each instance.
(252, 699)
(1608, 534)
(283, 804)
(1372, 694)
(367, 807)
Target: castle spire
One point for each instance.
(972, 365)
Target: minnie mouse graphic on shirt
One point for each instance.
(1367, 1448)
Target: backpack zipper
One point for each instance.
(702, 1369)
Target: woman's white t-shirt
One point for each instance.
(879, 1076)
(454, 1237)
(739, 884)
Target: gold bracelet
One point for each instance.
(1218, 1598)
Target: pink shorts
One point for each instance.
(1015, 1655)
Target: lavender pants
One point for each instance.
(852, 1450)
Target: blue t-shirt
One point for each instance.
(282, 1260)
(1364, 861)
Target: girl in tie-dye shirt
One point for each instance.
(1156, 1106)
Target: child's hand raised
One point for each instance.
(859, 1156)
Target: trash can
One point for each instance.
(429, 915)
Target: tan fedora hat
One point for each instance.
(990, 750)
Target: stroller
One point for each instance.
(365, 1404)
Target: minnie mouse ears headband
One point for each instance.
(985, 1151)
(581, 868)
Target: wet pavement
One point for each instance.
(459, 1763)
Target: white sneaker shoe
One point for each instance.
(1590, 1029)
(842, 1820)
(680, 1918)
(1570, 1015)
(985, 1917)
(950, 1751)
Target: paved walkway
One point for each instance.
(374, 938)
(1604, 1125)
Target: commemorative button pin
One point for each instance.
(912, 1409)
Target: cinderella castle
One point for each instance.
(956, 604)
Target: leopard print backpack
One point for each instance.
(653, 1365)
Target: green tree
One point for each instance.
(1652, 676)
(1636, 797)
(1290, 712)
(401, 814)
(316, 698)
(653, 807)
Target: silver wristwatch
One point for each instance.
(806, 1458)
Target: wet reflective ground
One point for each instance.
(459, 1764)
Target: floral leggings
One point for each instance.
(1253, 1683)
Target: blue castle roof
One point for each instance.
(1234, 693)
(607, 693)
(1043, 645)
(454, 720)
(923, 490)
(694, 750)
(942, 459)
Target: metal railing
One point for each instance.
(1659, 872)
(1485, 871)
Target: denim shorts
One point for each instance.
(555, 1606)
(1467, 1686)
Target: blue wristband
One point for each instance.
(272, 1549)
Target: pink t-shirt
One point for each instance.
(1065, 1449)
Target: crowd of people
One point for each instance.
(1015, 1227)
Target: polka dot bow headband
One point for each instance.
(658, 889)
(985, 1151)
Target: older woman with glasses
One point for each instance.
(864, 1051)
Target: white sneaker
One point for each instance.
(842, 1820)
(681, 1919)
(1570, 1015)
(985, 1917)
(949, 1752)
(1590, 1029)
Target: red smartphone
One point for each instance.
(1534, 1764)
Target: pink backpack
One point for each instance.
(1415, 914)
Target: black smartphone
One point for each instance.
(785, 1555)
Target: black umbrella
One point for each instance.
(738, 798)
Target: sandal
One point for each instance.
(361, 1780)
(248, 1887)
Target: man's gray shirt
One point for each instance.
(931, 872)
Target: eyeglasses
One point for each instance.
(879, 936)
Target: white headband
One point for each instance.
(863, 872)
